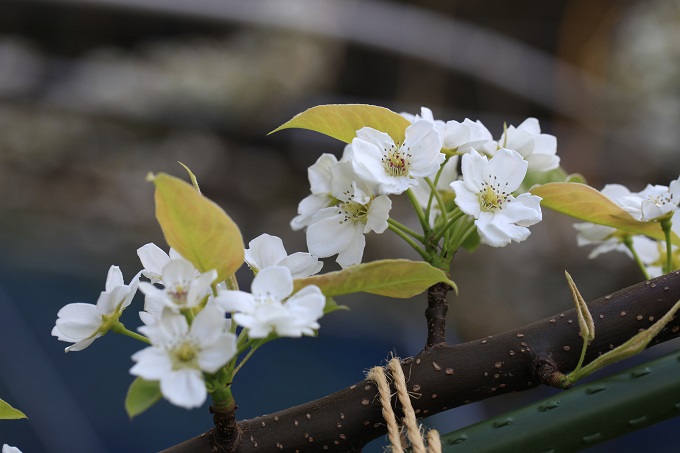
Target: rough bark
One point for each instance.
(449, 376)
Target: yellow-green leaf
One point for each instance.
(341, 121)
(7, 412)
(392, 278)
(585, 203)
(141, 395)
(197, 228)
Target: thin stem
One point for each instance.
(406, 230)
(120, 328)
(419, 211)
(245, 358)
(628, 242)
(666, 227)
(231, 282)
(410, 242)
(452, 221)
(440, 201)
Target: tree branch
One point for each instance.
(445, 377)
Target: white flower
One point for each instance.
(538, 149)
(82, 323)
(606, 238)
(319, 176)
(459, 136)
(154, 260)
(659, 201)
(266, 251)
(183, 289)
(340, 228)
(270, 309)
(486, 194)
(395, 167)
(179, 354)
(7, 449)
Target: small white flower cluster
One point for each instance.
(183, 347)
(654, 203)
(349, 198)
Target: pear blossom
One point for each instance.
(153, 259)
(659, 201)
(538, 149)
(395, 166)
(340, 229)
(455, 135)
(82, 323)
(486, 194)
(182, 287)
(179, 354)
(266, 251)
(319, 176)
(270, 308)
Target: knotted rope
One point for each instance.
(413, 430)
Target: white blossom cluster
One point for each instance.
(350, 197)
(654, 203)
(187, 314)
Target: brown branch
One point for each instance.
(451, 376)
(435, 314)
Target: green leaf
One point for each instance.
(141, 395)
(341, 121)
(7, 412)
(197, 228)
(393, 278)
(585, 203)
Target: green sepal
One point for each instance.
(141, 395)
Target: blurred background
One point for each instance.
(96, 93)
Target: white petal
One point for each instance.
(235, 301)
(178, 273)
(208, 325)
(114, 278)
(467, 201)
(152, 363)
(506, 168)
(275, 281)
(78, 320)
(377, 215)
(329, 236)
(319, 174)
(153, 259)
(302, 264)
(200, 287)
(530, 125)
(473, 168)
(184, 388)
(216, 355)
(308, 207)
(354, 251)
(264, 251)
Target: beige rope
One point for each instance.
(413, 431)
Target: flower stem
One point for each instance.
(419, 211)
(452, 221)
(410, 242)
(666, 227)
(628, 242)
(406, 230)
(120, 328)
(437, 196)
